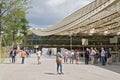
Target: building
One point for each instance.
(95, 25)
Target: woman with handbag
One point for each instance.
(59, 62)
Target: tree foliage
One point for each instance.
(13, 21)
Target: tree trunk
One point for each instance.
(0, 30)
(0, 19)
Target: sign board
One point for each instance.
(84, 41)
(36, 46)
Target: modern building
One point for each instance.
(95, 25)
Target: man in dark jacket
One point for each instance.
(13, 55)
(87, 53)
(109, 56)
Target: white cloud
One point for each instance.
(54, 3)
(33, 25)
(39, 26)
(48, 12)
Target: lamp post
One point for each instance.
(71, 33)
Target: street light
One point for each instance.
(71, 33)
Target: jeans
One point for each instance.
(23, 58)
(59, 66)
(103, 60)
(86, 60)
(65, 60)
(13, 59)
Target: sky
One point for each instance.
(45, 13)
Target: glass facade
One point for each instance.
(65, 41)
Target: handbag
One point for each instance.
(59, 61)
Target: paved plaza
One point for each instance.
(47, 70)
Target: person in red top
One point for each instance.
(23, 55)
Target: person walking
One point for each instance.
(92, 55)
(38, 56)
(50, 52)
(23, 55)
(76, 56)
(59, 62)
(96, 56)
(27, 53)
(109, 56)
(13, 55)
(87, 56)
(66, 56)
(72, 56)
(103, 56)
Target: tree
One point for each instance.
(13, 21)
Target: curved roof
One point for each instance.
(101, 17)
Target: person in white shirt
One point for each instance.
(38, 56)
(103, 56)
(92, 54)
(72, 57)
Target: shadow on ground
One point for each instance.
(50, 73)
(115, 67)
(10, 63)
(112, 67)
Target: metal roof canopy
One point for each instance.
(101, 17)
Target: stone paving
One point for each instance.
(47, 70)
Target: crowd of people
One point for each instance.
(98, 56)
(23, 54)
(90, 55)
